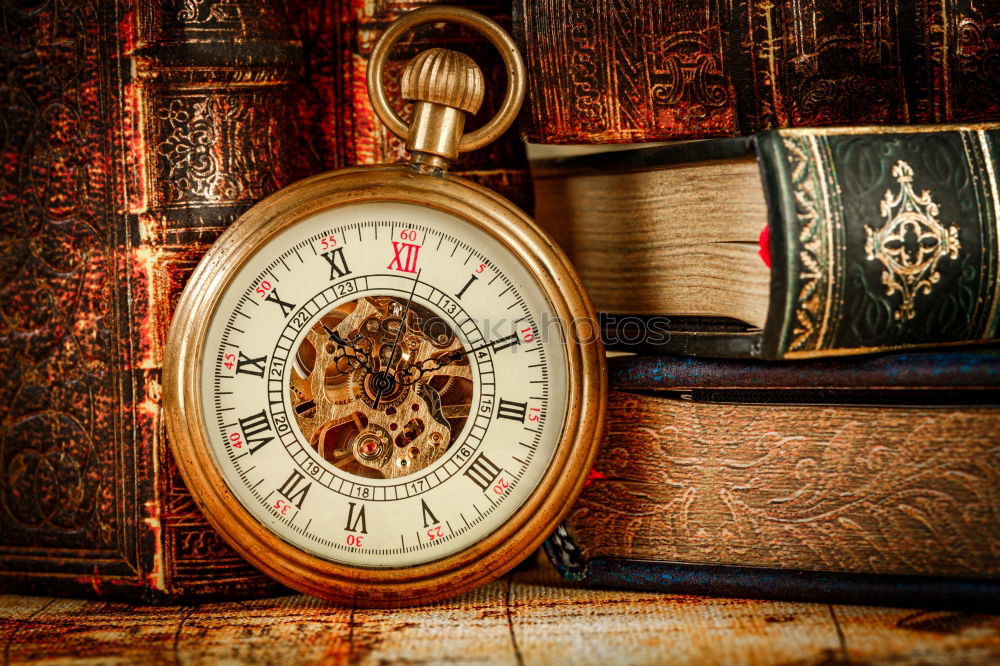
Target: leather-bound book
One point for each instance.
(648, 70)
(131, 135)
(871, 481)
(790, 243)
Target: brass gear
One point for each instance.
(341, 368)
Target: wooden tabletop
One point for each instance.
(529, 617)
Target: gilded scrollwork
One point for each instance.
(218, 148)
(684, 71)
(910, 243)
(811, 298)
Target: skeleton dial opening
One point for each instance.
(381, 385)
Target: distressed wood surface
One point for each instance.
(530, 617)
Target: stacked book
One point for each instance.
(810, 409)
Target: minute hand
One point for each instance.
(432, 364)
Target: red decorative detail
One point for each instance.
(404, 257)
(765, 245)
(594, 474)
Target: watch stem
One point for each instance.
(446, 85)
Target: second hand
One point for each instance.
(399, 335)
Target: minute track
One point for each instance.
(432, 292)
(401, 491)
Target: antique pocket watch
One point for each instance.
(384, 384)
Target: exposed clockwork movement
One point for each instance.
(381, 386)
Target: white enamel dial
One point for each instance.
(383, 384)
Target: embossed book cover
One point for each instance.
(132, 134)
(872, 480)
(790, 243)
(649, 70)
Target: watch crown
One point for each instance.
(442, 76)
(445, 85)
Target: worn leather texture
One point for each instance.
(131, 135)
(881, 239)
(649, 70)
(715, 497)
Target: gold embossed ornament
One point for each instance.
(383, 385)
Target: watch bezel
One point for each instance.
(524, 531)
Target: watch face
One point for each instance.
(382, 384)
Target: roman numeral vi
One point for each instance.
(354, 522)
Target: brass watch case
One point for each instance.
(528, 526)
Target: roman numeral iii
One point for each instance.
(482, 471)
(514, 411)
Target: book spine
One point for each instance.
(961, 594)
(216, 93)
(72, 478)
(606, 72)
(162, 123)
(873, 491)
(903, 372)
(881, 239)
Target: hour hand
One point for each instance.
(336, 337)
(360, 355)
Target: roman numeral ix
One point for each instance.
(251, 366)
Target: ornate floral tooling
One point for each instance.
(911, 242)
